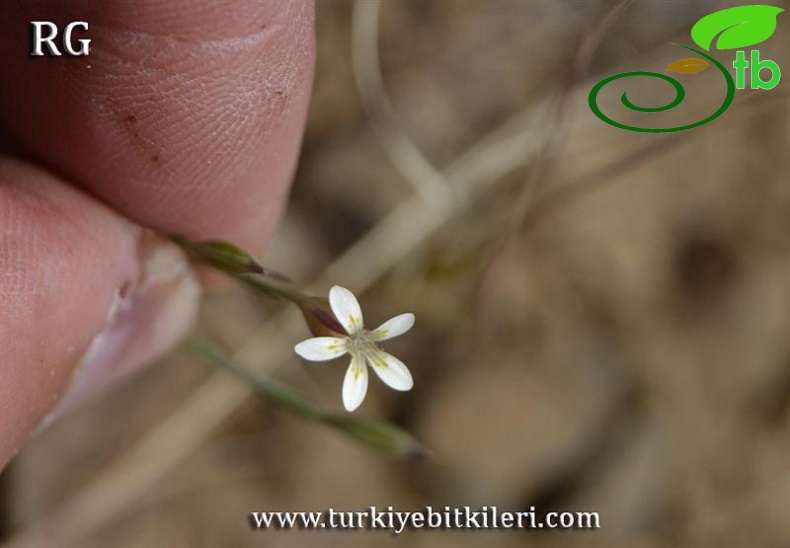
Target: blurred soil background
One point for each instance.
(603, 317)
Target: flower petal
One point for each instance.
(346, 308)
(355, 385)
(320, 349)
(393, 327)
(390, 370)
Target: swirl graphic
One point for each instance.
(680, 94)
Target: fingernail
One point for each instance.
(147, 317)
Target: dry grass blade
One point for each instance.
(429, 183)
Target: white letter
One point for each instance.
(85, 43)
(403, 519)
(38, 40)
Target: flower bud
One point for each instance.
(224, 256)
(319, 318)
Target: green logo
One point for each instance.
(732, 28)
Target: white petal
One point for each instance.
(390, 370)
(393, 328)
(346, 308)
(321, 349)
(355, 385)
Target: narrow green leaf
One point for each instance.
(379, 434)
(738, 27)
(374, 433)
(275, 392)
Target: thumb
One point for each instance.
(86, 298)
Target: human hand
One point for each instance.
(185, 118)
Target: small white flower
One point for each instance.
(361, 344)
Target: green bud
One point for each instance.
(224, 256)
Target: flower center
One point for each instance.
(360, 343)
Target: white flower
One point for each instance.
(361, 344)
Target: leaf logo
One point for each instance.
(738, 27)
(732, 28)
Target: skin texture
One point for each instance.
(185, 118)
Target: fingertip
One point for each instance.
(185, 119)
(86, 298)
